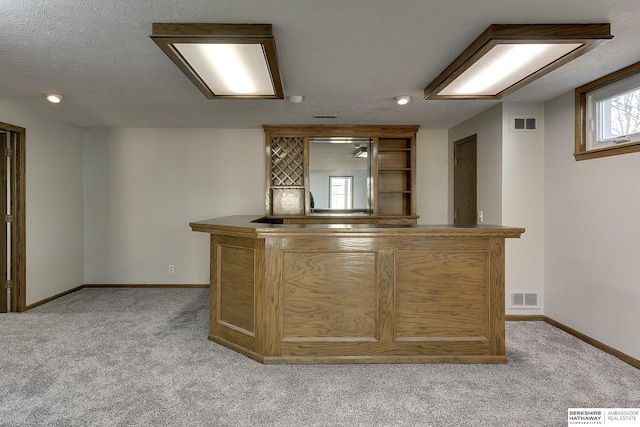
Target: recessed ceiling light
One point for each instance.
(54, 98)
(295, 99)
(402, 100)
(224, 60)
(507, 57)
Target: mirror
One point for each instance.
(340, 176)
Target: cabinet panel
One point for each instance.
(287, 201)
(329, 295)
(433, 301)
(236, 293)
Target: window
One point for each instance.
(608, 115)
(613, 114)
(340, 192)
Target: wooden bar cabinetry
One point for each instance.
(357, 293)
(393, 178)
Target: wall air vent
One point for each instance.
(324, 116)
(525, 124)
(524, 300)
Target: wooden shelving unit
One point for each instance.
(393, 198)
(395, 176)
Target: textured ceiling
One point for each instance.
(348, 58)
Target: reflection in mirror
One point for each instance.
(341, 192)
(340, 176)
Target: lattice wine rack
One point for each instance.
(287, 193)
(287, 161)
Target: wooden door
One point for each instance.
(12, 204)
(465, 181)
(4, 142)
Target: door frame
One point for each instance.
(473, 139)
(18, 225)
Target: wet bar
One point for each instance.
(357, 293)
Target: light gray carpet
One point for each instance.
(141, 357)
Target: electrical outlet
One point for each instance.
(171, 269)
(480, 217)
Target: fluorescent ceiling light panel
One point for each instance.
(229, 69)
(507, 57)
(224, 60)
(505, 65)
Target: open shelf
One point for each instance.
(398, 203)
(395, 176)
(394, 144)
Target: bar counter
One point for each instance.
(357, 293)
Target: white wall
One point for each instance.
(510, 190)
(592, 230)
(432, 162)
(488, 127)
(523, 203)
(54, 202)
(144, 186)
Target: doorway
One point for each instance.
(465, 181)
(12, 206)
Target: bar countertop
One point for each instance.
(256, 225)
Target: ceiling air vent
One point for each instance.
(524, 300)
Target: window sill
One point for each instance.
(609, 151)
